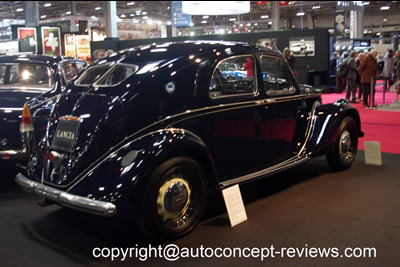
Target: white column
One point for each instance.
(275, 15)
(111, 19)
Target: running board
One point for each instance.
(266, 172)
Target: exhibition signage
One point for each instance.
(28, 34)
(234, 205)
(179, 19)
(350, 5)
(339, 23)
(51, 41)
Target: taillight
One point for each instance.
(26, 121)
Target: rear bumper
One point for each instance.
(13, 155)
(66, 199)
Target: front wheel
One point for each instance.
(344, 149)
(174, 199)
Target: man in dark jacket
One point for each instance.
(368, 68)
(351, 76)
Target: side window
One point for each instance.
(70, 70)
(80, 65)
(275, 76)
(234, 76)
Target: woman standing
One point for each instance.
(387, 69)
(368, 68)
(290, 59)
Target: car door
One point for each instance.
(289, 110)
(237, 139)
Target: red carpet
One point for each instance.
(382, 126)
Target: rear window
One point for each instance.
(92, 74)
(117, 74)
(25, 75)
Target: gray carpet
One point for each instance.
(308, 205)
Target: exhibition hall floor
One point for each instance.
(308, 206)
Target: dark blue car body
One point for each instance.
(115, 141)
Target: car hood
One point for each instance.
(99, 121)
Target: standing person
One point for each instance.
(351, 76)
(290, 59)
(360, 56)
(387, 69)
(332, 63)
(368, 68)
(340, 81)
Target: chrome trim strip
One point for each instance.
(66, 199)
(268, 171)
(310, 126)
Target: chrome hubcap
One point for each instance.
(173, 198)
(345, 146)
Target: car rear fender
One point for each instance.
(327, 123)
(125, 170)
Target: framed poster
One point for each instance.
(82, 45)
(69, 44)
(51, 41)
(302, 46)
(29, 35)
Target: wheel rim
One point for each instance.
(345, 148)
(174, 200)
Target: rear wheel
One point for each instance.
(174, 199)
(344, 149)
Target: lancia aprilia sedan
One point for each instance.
(150, 130)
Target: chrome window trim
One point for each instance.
(255, 93)
(292, 89)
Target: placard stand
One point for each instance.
(372, 153)
(234, 205)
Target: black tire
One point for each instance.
(174, 199)
(343, 151)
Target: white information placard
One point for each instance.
(234, 205)
(373, 154)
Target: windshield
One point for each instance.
(25, 74)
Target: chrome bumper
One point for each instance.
(66, 199)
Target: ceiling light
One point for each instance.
(123, 16)
(130, 3)
(98, 8)
(138, 12)
(369, 31)
(169, 22)
(132, 15)
(68, 13)
(204, 21)
(6, 20)
(270, 23)
(365, 32)
(301, 13)
(19, 9)
(316, 7)
(385, 7)
(149, 21)
(232, 19)
(205, 17)
(241, 25)
(135, 21)
(264, 16)
(191, 33)
(191, 24)
(255, 24)
(145, 17)
(366, 3)
(144, 13)
(378, 34)
(385, 20)
(248, 24)
(43, 16)
(47, 5)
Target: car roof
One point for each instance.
(159, 51)
(43, 59)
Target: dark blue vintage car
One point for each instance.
(150, 130)
(28, 78)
